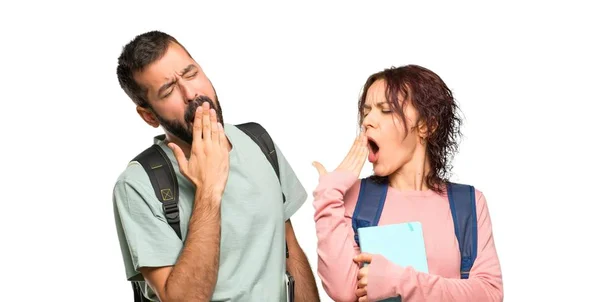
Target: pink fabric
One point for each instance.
(335, 198)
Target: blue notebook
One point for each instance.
(402, 244)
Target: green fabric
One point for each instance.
(252, 259)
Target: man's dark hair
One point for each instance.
(142, 51)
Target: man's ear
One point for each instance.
(148, 116)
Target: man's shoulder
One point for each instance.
(242, 133)
(134, 172)
(241, 128)
(133, 176)
(238, 137)
(234, 131)
(133, 190)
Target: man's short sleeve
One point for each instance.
(145, 237)
(294, 192)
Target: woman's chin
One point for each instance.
(380, 171)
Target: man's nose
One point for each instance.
(188, 93)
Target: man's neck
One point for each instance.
(185, 147)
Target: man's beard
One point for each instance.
(185, 131)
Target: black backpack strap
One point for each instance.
(164, 182)
(262, 138)
(157, 165)
(138, 294)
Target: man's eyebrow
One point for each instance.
(188, 69)
(166, 86)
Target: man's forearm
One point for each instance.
(305, 289)
(194, 276)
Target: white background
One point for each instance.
(524, 74)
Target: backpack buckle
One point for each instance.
(171, 210)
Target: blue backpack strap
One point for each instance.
(464, 214)
(369, 205)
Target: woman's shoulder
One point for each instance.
(465, 188)
(468, 189)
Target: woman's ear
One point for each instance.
(427, 128)
(148, 116)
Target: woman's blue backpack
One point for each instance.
(371, 199)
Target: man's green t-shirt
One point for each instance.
(252, 255)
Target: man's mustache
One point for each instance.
(190, 111)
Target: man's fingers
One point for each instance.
(320, 168)
(214, 129)
(180, 157)
(197, 133)
(206, 121)
(222, 136)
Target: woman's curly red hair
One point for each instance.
(436, 107)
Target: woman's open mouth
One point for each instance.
(373, 150)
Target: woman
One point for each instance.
(410, 129)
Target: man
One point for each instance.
(232, 218)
